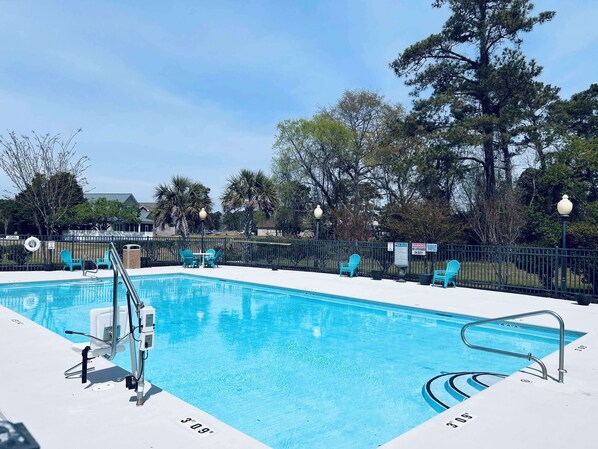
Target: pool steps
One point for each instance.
(448, 389)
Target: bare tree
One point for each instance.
(46, 174)
(497, 221)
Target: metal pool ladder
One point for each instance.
(529, 356)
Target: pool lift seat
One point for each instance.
(100, 339)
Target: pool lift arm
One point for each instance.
(146, 320)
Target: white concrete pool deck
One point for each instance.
(523, 411)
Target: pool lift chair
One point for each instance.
(104, 342)
(100, 324)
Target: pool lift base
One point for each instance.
(70, 373)
(104, 320)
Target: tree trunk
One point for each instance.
(248, 222)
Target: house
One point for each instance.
(143, 229)
(146, 224)
(146, 211)
(267, 228)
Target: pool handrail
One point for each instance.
(529, 356)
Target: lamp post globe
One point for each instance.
(318, 212)
(202, 216)
(564, 208)
(317, 215)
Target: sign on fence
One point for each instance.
(51, 244)
(390, 246)
(418, 249)
(401, 254)
(431, 247)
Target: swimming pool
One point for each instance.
(291, 369)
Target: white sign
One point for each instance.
(12, 237)
(418, 249)
(51, 244)
(390, 246)
(401, 254)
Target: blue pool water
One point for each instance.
(291, 369)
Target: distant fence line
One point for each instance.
(104, 236)
(520, 269)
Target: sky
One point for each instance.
(196, 88)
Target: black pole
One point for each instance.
(316, 262)
(84, 364)
(202, 233)
(564, 259)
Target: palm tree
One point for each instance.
(250, 191)
(179, 204)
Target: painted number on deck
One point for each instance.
(196, 426)
(581, 348)
(459, 421)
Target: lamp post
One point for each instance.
(564, 208)
(375, 226)
(318, 214)
(202, 216)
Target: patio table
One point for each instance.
(203, 256)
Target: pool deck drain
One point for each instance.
(522, 411)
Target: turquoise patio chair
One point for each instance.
(210, 253)
(68, 260)
(212, 262)
(351, 266)
(104, 261)
(447, 276)
(188, 260)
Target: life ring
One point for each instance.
(32, 244)
(30, 301)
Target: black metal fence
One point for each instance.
(537, 271)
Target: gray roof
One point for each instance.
(149, 206)
(145, 216)
(125, 198)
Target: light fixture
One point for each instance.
(318, 212)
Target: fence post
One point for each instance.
(556, 270)
(500, 267)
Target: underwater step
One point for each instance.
(448, 389)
